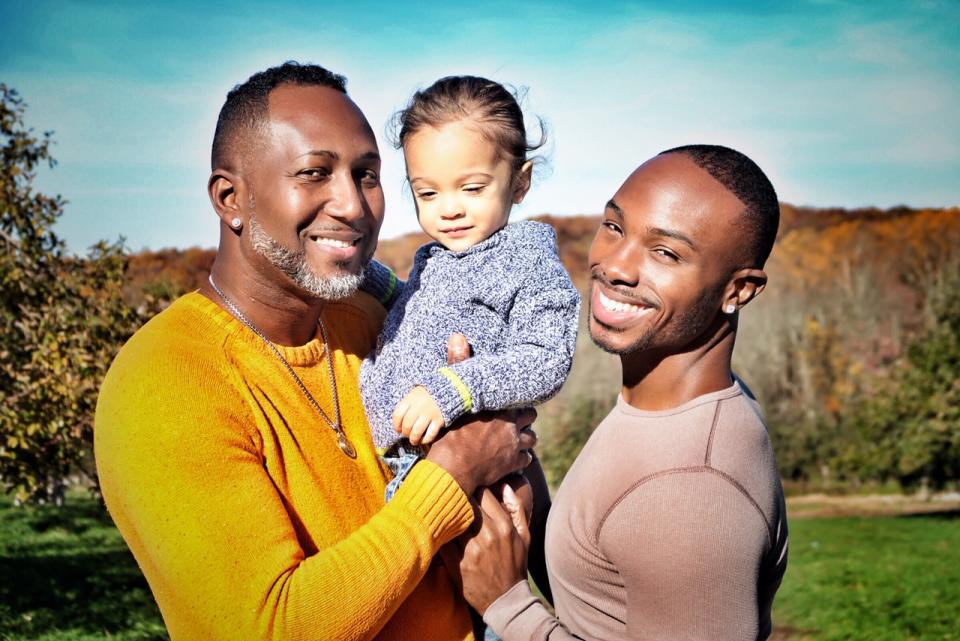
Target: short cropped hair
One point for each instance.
(745, 180)
(244, 112)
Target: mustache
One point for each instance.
(597, 274)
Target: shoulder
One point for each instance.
(741, 451)
(170, 376)
(531, 235)
(531, 249)
(187, 330)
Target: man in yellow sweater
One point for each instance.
(231, 442)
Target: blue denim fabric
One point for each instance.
(400, 460)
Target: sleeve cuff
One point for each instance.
(380, 282)
(512, 612)
(451, 394)
(437, 499)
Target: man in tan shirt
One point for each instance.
(671, 522)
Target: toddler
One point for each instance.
(500, 285)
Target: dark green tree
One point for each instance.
(62, 319)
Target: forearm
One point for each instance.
(518, 615)
(221, 554)
(377, 567)
(528, 369)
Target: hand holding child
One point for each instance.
(418, 417)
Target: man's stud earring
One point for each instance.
(730, 309)
(236, 223)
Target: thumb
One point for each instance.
(517, 514)
(458, 349)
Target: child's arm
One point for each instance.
(382, 283)
(534, 361)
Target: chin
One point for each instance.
(614, 342)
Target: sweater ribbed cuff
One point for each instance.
(436, 497)
(453, 399)
(380, 282)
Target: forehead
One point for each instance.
(673, 192)
(303, 118)
(451, 145)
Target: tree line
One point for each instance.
(853, 350)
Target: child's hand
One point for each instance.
(417, 417)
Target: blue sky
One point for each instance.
(842, 103)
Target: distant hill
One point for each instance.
(813, 245)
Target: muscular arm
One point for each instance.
(687, 548)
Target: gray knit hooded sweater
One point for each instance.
(512, 299)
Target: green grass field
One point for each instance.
(67, 576)
(882, 579)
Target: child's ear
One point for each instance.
(521, 182)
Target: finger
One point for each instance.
(406, 422)
(432, 430)
(417, 429)
(527, 438)
(518, 515)
(489, 504)
(398, 413)
(458, 349)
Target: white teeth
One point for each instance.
(332, 242)
(617, 306)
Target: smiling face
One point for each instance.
(314, 199)
(462, 185)
(662, 258)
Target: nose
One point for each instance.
(451, 208)
(621, 265)
(345, 201)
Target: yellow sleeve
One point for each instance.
(185, 480)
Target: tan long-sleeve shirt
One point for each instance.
(669, 525)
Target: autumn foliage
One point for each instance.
(853, 349)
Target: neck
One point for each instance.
(653, 381)
(284, 314)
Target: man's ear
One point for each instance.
(521, 182)
(745, 285)
(225, 191)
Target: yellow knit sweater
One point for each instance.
(244, 515)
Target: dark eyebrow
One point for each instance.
(332, 155)
(615, 208)
(325, 153)
(671, 233)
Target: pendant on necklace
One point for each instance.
(345, 446)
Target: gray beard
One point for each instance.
(294, 264)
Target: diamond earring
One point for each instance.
(730, 309)
(236, 223)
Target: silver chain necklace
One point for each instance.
(336, 426)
